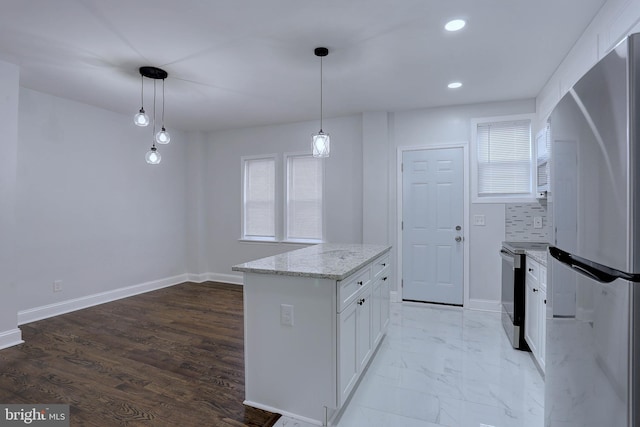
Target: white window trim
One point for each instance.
(285, 200)
(519, 198)
(277, 203)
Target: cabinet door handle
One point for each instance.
(535, 290)
(361, 301)
(385, 278)
(360, 282)
(545, 301)
(384, 264)
(531, 269)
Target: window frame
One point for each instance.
(243, 235)
(506, 198)
(285, 204)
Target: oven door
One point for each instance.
(510, 321)
(508, 282)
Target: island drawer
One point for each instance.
(349, 287)
(380, 265)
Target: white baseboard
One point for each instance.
(198, 278)
(50, 310)
(234, 279)
(10, 338)
(483, 305)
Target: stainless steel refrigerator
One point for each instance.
(593, 299)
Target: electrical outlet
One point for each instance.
(57, 286)
(479, 220)
(537, 222)
(286, 314)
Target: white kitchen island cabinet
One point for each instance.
(313, 319)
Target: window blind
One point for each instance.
(304, 198)
(259, 198)
(504, 158)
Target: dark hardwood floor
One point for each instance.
(172, 357)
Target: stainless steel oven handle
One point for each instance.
(512, 259)
(507, 256)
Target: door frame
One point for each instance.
(399, 199)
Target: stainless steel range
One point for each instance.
(513, 289)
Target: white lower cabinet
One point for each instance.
(355, 346)
(543, 328)
(535, 309)
(380, 308)
(358, 323)
(347, 350)
(531, 322)
(364, 320)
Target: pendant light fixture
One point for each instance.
(320, 142)
(141, 119)
(153, 156)
(163, 137)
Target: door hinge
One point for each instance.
(401, 167)
(401, 225)
(402, 283)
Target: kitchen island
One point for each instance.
(313, 319)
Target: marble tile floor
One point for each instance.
(441, 366)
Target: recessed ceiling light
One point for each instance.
(455, 25)
(454, 85)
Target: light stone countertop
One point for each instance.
(540, 256)
(325, 261)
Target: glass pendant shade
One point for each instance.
(153, 156)
(163, 137)
(321, 144)
(141, 118)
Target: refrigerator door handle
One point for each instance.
(590, 269)
(596, 277)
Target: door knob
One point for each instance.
(458, 239)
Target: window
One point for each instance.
(270, 217)
(502, 165)
(259, 198)
(304, 198)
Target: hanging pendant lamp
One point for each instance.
(141, 119)
(163, 137)
(153, 156)
(320, 142)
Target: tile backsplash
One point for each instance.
(519, 222)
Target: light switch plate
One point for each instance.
(286, 314)
(479, 220)
(537, 222)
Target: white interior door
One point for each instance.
(432, 235)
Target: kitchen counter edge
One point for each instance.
(332, 261)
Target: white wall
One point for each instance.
(9, 89)
(615, 20)
(375, 165)
(197, 213)
(453, 125)
(343, 187)
(90, 211)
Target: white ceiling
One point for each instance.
(240, 63)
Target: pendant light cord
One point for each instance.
(321, 94)
(141, 91)
(162, 104)
(154, 112)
